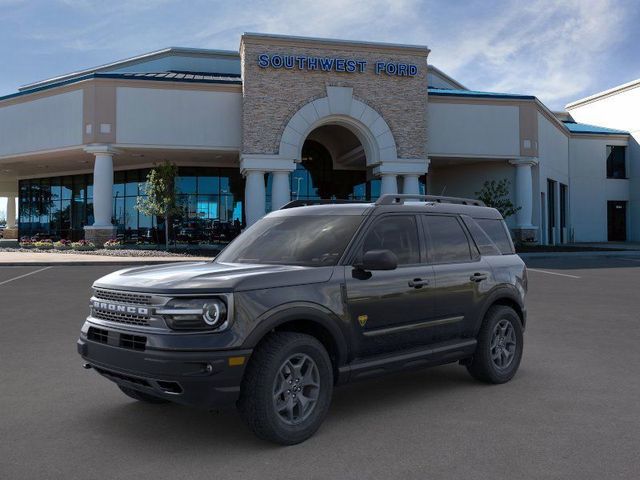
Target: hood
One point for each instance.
(196, 277)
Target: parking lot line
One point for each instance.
(552, 273)
(25, 275)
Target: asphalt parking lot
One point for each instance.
(573, 410)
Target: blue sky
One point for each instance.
(556, 50)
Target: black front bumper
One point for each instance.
(205, 379)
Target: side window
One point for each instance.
(497, 232)
(484, 243)
(447, 240)
(397, 233)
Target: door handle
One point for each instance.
(418, 283)
(478, 277)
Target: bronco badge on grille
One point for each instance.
(115, 308)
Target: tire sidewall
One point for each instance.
(296, 433)
(496, 315)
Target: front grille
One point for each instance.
(98, 335)
(122, 297)
(127, 318)
(133, 342)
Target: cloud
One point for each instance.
(557, 50)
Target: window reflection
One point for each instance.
(210, 199)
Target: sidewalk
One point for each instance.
(36, 259)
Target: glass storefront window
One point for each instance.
(60, 207)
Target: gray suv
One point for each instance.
(311, 297)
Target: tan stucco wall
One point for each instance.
(271, 96)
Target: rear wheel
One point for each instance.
(499, 349)
(141, 396)
(287, 388)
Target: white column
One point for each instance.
(103, 189)
(389, 184)
(410, 184)
(254, 196)
(11, 211)
(524, 192)
(280, 189)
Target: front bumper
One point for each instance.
(205, 379)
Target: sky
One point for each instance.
(557, 50)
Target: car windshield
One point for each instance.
(313, 240)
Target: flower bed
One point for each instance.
(83, 246)
(62, 245)
(113, 244)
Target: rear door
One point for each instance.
(388, 309)
(462, 277)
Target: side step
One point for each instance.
(436, 354)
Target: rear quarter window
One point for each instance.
(498, 233)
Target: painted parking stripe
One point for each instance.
(551, 273)
(25, 275)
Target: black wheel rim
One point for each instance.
(503, 344)
(296, 389)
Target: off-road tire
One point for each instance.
(141, 396)
(256, 403)
(482, 366)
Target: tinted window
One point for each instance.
(398, 234)
(482, 240)
(497, 232)
(314, 240)
(447, 240)
(616, 164)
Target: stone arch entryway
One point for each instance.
(335, 123)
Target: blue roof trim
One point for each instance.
(156, 77)
(585, 128)
(449, 92)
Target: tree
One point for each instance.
(496, 194)
(161, 195)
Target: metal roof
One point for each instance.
(223, 78)
(449, 92)
(585, 128)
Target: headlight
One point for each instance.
(194, 314)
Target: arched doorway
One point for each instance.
(333, 165)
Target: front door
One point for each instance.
(389, 309)
(617, 221)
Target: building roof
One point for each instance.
(604, 93)
(449, 92)
(132, 61)
(585, 128)
(171, 76)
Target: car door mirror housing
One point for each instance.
(378, 260)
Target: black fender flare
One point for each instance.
(310, 312)
(501, 293)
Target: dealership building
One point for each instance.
(303, 118)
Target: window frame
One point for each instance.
(474, 253)
(354, 251)
(625, 162)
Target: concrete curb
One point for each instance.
(616, 253)
(92, 263)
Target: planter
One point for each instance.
(149, 246)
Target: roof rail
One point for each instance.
(320, 201)
(391, 199)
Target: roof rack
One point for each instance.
(321, 201)
(391, 199)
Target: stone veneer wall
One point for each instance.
(271, 96)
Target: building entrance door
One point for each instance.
(617, 221)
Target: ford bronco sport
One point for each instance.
(310, 297)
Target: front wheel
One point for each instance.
(287, 388)
(499, 349)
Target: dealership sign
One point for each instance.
(334, 64)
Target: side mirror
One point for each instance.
(379, 260)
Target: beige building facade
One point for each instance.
(288, 118)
